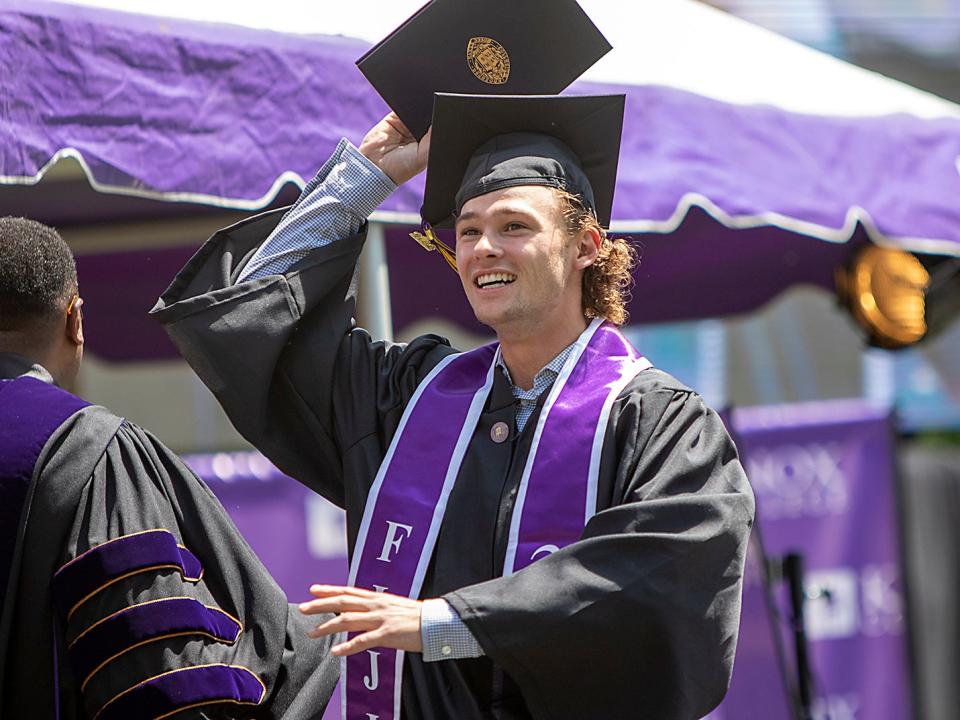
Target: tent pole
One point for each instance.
(374, 292)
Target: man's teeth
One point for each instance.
(495, 280)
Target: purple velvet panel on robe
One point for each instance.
(187, 687)
(170, 617)
(104, 564)
(30, 412)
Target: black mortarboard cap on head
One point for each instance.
(483, 143)
(503, 47)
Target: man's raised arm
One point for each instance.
(343, 194)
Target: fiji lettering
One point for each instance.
(372, 681)
(396, 534)
(544, 550)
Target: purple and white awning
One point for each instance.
(225, 115)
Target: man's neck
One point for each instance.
(525, 354)
(36, 353)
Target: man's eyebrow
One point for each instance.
(503, 210)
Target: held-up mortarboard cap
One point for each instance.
(503, 47)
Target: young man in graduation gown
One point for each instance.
(549, 528)
(126, 590)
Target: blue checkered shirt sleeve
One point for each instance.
(444, 634)
(334, 205)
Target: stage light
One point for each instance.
(885, 290)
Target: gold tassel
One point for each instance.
(429, 241)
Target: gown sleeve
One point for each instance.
(283, 356)
(164, 608)
(639, 617)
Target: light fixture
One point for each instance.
(885, 290)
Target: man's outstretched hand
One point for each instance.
(381, 619)
(391, 147)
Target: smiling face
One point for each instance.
(520, 268)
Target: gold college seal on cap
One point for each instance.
(488, 60)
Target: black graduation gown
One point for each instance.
(98, 478)
(638, 619)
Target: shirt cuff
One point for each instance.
(333, 205)
(367, 186)
(351, 179)
(444, 634)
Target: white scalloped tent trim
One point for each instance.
(187, 197)
(825, 233)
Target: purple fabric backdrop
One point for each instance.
(181, 107)
(118, 290)
(823, 474)
(298, 535)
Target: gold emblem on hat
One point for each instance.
(488, 60)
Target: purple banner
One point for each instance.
(823, 474)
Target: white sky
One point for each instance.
(680, 43)
(294, 16)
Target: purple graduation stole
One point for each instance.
(30, 412)
(405, 506)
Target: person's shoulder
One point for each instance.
(654, 380)
(654, 393)
(422, 352)
(92, 425)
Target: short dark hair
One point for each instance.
(38, 274)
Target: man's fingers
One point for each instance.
(348, 622)
(423, 151)
(322, 591)
(336, 604)
(358, 644)
(394, 121)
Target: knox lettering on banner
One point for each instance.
(372, 681)
(543, 551)
(371, 716)
(396, 534)
(380, 588)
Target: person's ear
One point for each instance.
(74, 324)
(588, 247)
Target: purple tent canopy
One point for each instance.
(730, 204)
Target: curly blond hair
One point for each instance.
(606, 283)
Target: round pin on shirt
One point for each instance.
(499, 432)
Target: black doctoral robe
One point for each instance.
(98, 478)
(636, 620)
